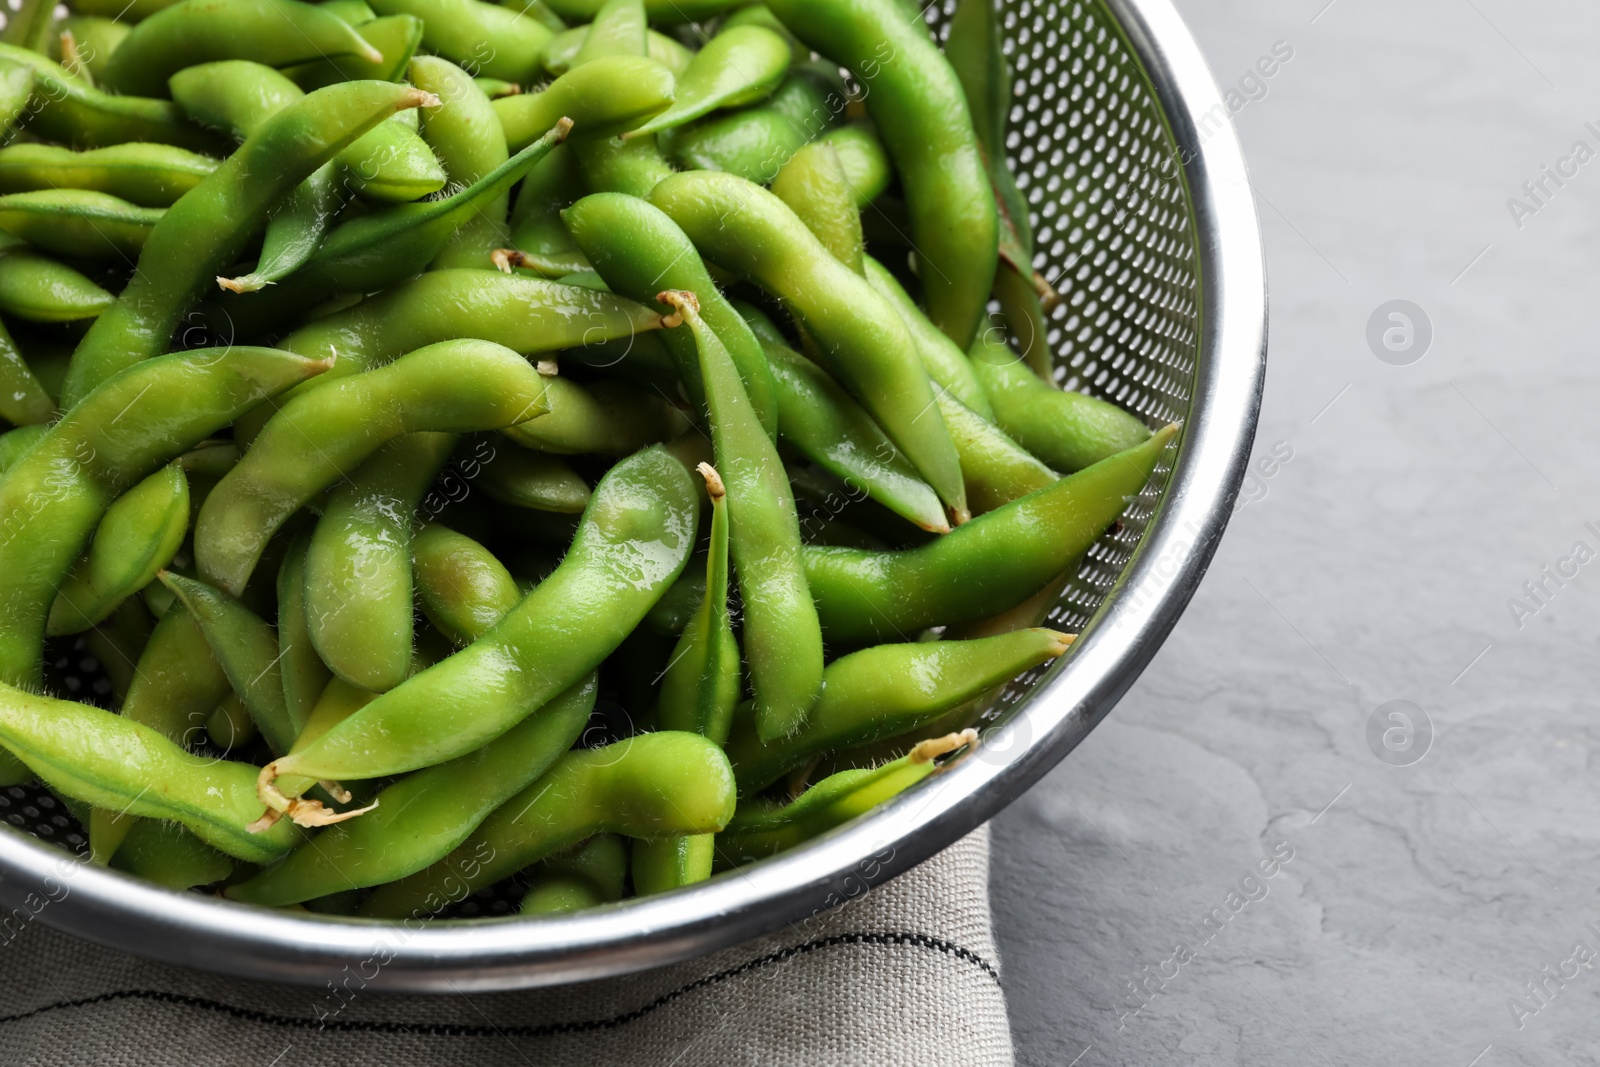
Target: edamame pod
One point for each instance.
(620, 28)
(209, 226)
(138, 536)
(781, 635)
(753, 144)
(397, 37)
(921, 113)
(14, 443)
(603, 98)
(817, 189)
(24, 401)
(663, 11)
(738, 66)
(640, 252)
(584, 876)
(92, 41)
(946, 364)
(748, 230)
(866, 165)
(276, 33)
(885, 691)
(466, 135)
(996, 469)
(56, 493)
(355, 12)
(79, 223)
(452, 387)
(665, 863)
(762, 828)
(652, 785)
(1068, 430)
(550, 187)
(170, 855)
(154, 175)
(111, 761)
(16, 90)
(37, 288)
(566, 47)
(523, 479)
(702, 684)
(68, 110)
(131, 11)
(486, 39)
(983, 568)
(462, 588)
(178, 681)
(631, 544)
(358, 569)
(304, 674)
(605, 418)
(247, 649)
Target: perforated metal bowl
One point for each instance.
(1145, 223)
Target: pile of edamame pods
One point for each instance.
(596, 443)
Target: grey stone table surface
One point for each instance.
(1248, 863)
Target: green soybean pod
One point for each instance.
(110, 761)
(653, 785)
(94, 39)
(178, 681)
(397, 37)
(752, 144)
(152, 175)
(24, 401)
(762, 828)
(1068, 430)
(921, 113)
(567, 46)
(888, 690)
(461, 587)
(603, 98)
(817, 189)
(620, 28)
(452, 387)
(55, 494)
(79, 223)
(277, 33)
(210, 225)
(304, 674)
(670, 12)
(992, 563)
(584, 876)
(16, 91)
(466, 135)
(486, 39)
(247, 648)
(995, 468)
(781, 635)
(553, 184)
(606, 418)
(540, 12)
(392, 164)
(170, 855)
(140, 533)
(523, 479)
(866, 164)
(354, 12)
(946, 364)
(39, 289)
(702, 684)
(15, 442)
(358, 586)
(422, 817)
(660, 864)
(630, 546)
(67, 110)
(136, 11)
(736, 67)
(750, 231)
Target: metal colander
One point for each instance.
(1141, 206)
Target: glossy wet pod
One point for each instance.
(747, 229)
(922, 116)
(653, 785)
(154, 175)
(603, 98)
(451, 387)
(631, 544)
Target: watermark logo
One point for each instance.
(1399, 333)
(1399, 733)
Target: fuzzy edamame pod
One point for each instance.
(922, 116)
(24, 401)
(69, 110)
(762, 828)
(16, 91)
(140, 533)
(452, 387)
(603, 98)
(752, 144)
(996, 469)
(652, 785)
(1068, 430)
(866, 165)
(210, 225)
(277, 33)
(671, 12)
(782, 638)
(738, 66)
(14, 443)
(553, 184)
(153, 175)
(750, 231)
(584, 876)
(358, 569)
(304, 673)
(422, 817)
(56, 493)
(701, 686)
(466, 135)
(630, 546)
(247, 648)
(112, 762)
(605, 418)
(169, 855)
(486, 39)
(640, 252)
(396, 36)
(990, 564)
(36, 288)
(888, 690)
(567, 46)
(177, 681)
(817, 189)
(664, 863)
(462, 588)
(79, 224)
(946, 364)
(523, 479)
